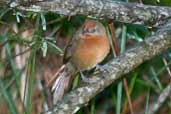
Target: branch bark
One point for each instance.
(161, 99)
(113, 70)
(101, 9)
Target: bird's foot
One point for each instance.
(87, 80)
(99, 68)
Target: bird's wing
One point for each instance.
(70, 48)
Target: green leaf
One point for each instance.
(18, 14)
(43, 21)
(44, 48)
(119, 98)
(59, 51)
(156, 78)
(8, 98)
(30, 82)
(123, 39)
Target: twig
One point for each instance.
(115, 42)
(161, 99)
(167, 68)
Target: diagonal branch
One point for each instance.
(101, 9)
(153, 108)
(113, 70)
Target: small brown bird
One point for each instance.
(88, 47)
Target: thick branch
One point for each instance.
(101, 9)
(113, 70)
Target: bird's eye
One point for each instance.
(92, 30)
(88, 31)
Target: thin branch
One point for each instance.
(101, 9)
(167, 68)
(113, 70)
(161, 99)
(114, 40)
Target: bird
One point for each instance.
(87, 48)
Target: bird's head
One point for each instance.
(92, 28)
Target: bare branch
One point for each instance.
(101, 9)
(161, 99)
(113, 70)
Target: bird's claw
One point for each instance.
(99, 68)
(87, 80)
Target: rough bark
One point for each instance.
(100, 9)
(153, 108)
(113, 70)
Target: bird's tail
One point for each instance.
(64, 77)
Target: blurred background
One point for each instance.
(31, 51)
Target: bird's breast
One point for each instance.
(89, 52)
